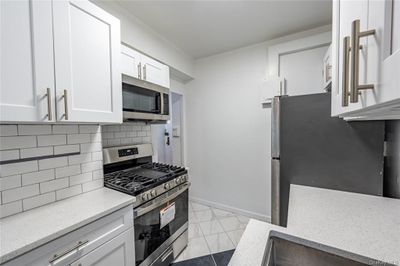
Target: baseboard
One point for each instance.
(250, 214)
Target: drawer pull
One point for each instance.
(345, 75)
(62, 254)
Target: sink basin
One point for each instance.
(287, 250)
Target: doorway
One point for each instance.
(168, 138)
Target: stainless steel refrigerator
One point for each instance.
(309, 147)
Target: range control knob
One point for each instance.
(145, 196)
(167, 186)
(177, 180)
(153, 193)
(183, 178)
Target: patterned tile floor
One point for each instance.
(211, 231)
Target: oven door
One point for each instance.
(154, 239)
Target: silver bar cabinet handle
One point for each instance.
(345, 73)
(49, 110)
(62, 254)
(144, 72)
(356, 34)
(65, 96)
(140, 71)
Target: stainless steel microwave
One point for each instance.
(142, 100)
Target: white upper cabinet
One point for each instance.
(87, 58)
(155, 72)
(26, 56)
(130, 62)
(366, 83)
(140, 66)
(80, 83)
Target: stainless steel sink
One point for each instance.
(287, 250)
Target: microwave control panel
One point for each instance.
(127, 152)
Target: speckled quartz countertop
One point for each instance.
(365, 225)
(23, 232)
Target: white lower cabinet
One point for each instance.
(117, 252)
(106, 241)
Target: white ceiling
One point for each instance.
(203, 28)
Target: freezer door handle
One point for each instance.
(275, 191)
(275, 127)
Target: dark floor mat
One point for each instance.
(223, 258)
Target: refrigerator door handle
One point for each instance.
(275, 127)
(275, 191)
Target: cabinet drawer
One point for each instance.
(78, 243)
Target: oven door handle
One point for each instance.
(143, 210)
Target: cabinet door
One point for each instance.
(119, 251)
(87, 63)
(344, 13)
(155, 72)
(383, 52)
(26, 61)
(130, 62)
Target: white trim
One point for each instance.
(235, 210)
(275, 52)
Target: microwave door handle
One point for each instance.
(162, 103)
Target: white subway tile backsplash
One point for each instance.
(68, 171)
(97, 156)
(142, 134)
(66, 149)
(40, 200)
(29, 130)
(37, 177)
(49, 140)
(54, 185)
(65, 129)
(78, 138)
(107, 135)
(120, 134)
(97, 174)
(9, 155)
(92, 185)
(36, 152)
(79, 179)
(32, 182)
(8, 130)
(20, 193)
(112, 128)
(10, 182)
(80, 158)
(146, 139)
(91, 147)
(131, 134)
(95, 137)
(114, 142)
(18, 168)
(17, 142)
(89, 128)
(10, 208)
(53, 163)
(92, 166)
(68, 192)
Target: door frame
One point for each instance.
(182, 125)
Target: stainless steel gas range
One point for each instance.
(161, 207)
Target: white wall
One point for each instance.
(143, 38)
(228, 132)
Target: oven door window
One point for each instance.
(149, 236)
(136, 99)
